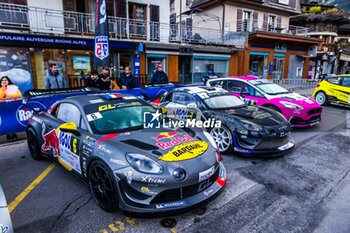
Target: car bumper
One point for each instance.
(280, 150)
(178, 206)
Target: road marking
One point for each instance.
(30, 187)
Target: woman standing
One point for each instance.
(9, 91)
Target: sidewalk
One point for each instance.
(20, 137)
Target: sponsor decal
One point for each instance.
(23, 113)
(206, 174)
(171, 204)
(147, 190)
(185, 151)
(104, 149)
(3, 229)
(129, 97)
(164, 135)
(286, 146)
(106, 107)
(34, 118)
(129, 175)
(208, 192)
(86, 150)
(96, 101)
(118, 161)
(84, 165)
(50, 141)
(205, 184)
(93, 116)
(149, 179)
(108, 137)
(174, 141)
(69, 151)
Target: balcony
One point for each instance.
(252, 26)
(67, 23)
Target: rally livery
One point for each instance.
(334, 90)
(299, 110)
(102, 139)
(247, 130)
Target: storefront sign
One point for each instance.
(280, 47)
(101, 35)
(187, 51)
(51, 41)
(137, 65)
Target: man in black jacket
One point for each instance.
(127, 81)
(105, 79)
(159, 77)
(93, 80)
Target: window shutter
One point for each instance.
(121, 8)
(266, 17)
(239, 20)
(154, 10)
(255, 21)
(109, 4)
(279, 21)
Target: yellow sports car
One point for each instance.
(333, 89)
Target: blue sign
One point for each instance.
(101, 47)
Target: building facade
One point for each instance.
(276, 49)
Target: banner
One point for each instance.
(101, 53)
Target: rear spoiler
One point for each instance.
(32, 93)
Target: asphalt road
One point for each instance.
(306, 191)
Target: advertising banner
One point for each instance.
(101, 53)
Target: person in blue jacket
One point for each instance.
(159, 77)
(127, 80)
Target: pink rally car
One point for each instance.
(299, 110)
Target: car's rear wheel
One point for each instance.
(223, 138)
(321, 98)
(103, 186)
(33, 144)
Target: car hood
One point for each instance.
(297, 99)
(162, 144)
(257, 115)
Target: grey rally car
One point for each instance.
(103, 139)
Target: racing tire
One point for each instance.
(321, 98)
(223, 138)
(103, 186)
(273, 108)
(33, 144)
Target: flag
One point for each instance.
(101, 53)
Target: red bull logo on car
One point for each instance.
(166, 135)
(174, 141)
(50, 141)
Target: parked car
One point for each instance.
(102, 139)
(245, 130)
(5, 219)
(333, 90)
(299, 110)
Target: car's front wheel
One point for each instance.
(33, 144)
(223, 138)
(103, 186)
(321, 98)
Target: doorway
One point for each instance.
(185, 71)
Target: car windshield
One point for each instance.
(272, 89)
(118, 119)
(223, 102)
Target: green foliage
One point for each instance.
(315, 9)
(331, 11)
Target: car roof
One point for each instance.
(248, 79)
(199, 89)
(84, 100)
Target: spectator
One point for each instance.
(54, 79)
(127, 81)
(159, 77)
(93, 80)
(9, 90)
(105, 79)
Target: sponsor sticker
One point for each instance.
(206, 174)
(286, 146)
(94, 116)
(185, 151)
(151, 180)
(174, 141)
(171, 204)
(96, 101)
(118, 161)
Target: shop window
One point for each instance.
(258, 65)
(207, 67)
(247, 21)
(272, 22)
(152, 64)
(277, 68)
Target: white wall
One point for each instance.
(45, 21)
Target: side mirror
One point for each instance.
(69, 127)
(192, 106)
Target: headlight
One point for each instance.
(143, 164)
(291, 105)
(251, 126)
(210, 139)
